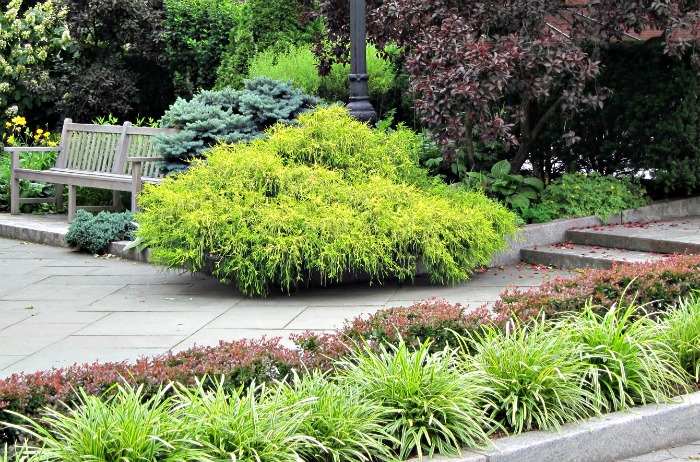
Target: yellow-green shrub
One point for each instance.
(323, 199)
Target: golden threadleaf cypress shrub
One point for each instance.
(326, 198)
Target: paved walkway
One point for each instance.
(687, 452)
(58, 306)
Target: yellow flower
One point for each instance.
(19, 120)
(47, 134)
(36, 137)
(8, 124)
(11, 139)
(39, 131)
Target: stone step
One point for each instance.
(567, 255)
(679, 236)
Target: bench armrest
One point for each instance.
(16, 150)
(144, 159)
(31, 149)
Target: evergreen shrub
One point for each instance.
(94, 232)
(198, 34)
(326, 198)
(226, 116)
(649, 124)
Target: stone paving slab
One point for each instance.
(61, 301)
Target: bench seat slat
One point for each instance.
(98, 156)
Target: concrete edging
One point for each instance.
(612, 437)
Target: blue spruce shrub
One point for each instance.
(227, 116)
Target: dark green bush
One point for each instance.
(227, 116)
(322, 199)
(261, 25)
(579, 195)
(649, 124)
(120, 65)
(198, 34)
(94, 232)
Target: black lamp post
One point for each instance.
(359, 104)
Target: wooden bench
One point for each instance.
(115, 157)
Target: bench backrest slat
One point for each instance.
(88, 147)
(104, 148)
(142, 143)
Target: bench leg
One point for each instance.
(71, 201)
(117, 201)
(14, 195)
(58, 190)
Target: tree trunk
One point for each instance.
(529, 135)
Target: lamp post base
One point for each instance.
(359, 104)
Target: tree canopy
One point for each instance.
(500, 69)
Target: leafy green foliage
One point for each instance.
(262, 25)
(94, 232)
(431, 406)
(682, 333)
(322, 199)
(579, 195)
(298, 64)
(28, 51)
(126, 426)
(647, 124)
(514, 190)
(227, 116)
(629, 361)
(198, 34)
(534, 376)
(38, 161)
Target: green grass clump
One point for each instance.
(253, 424)
(127, 426)
(430, 405)
(629, 361)
(683, 333)
(348, 426)
(534, 374)
(327, 198)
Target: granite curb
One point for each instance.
(609, 438)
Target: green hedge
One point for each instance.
(321, 200)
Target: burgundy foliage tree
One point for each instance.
(500, 69)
